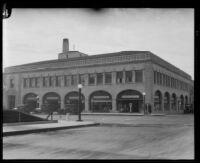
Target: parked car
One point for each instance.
(188, 109)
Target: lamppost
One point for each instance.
(80, 86)
(144, 101)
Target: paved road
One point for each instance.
(129, 137)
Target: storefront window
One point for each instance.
(108, 78)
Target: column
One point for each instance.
(162, 104)
(133, 77)
(114, 77)
(103, 78)
(86, 105)
(114, 105)
(123, 79)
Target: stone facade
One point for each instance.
(126, 61)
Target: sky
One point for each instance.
(32, 35)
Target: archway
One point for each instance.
(100, 101)
(173, 102)
(158, 101)
(166, 101)
(30, 101)
(71, 102)
(52, 99)
(129, 101)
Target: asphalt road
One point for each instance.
(119, 137)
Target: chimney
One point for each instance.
(65, 45)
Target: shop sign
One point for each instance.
(52, 98)
(130, 96)
(101, 97)
(31, 98)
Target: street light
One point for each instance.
(80, 86)
(144, 101)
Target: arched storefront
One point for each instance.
(129, 101)
(100, 101)
(71, 102)
(166, 101)
(30, 101)
(52, 99)
(181, 105)
(157, 101)
(173, 102)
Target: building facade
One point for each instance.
(114, 82)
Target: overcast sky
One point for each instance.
(32, 35)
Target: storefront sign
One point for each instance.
(52, 98)
(101, 97)
(73, 98)
(31, 98)
(130, 96)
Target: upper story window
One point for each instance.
(99, 78)
(58, 81)
(108, 78)
(24, 83)
(139, 76)
(82, 79)
(37, 82)
(43, 82)
(92, 79)
(129, 76)
(50, 81)
(74, 80)
(67, 80)
(155, 77)
(119, 77)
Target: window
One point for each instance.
(37, 82)
(155, 77)
(108, 78)
(91, 78)
(24, 83)
(30, 82)
(74, 80)
(158, 78)
(50, 81)
(67, 80)
(43, 82)
(138, 76)
(58, 81)
(129, 76)
(119, 77)
(82, 79)
(99, 78)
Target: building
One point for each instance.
(115, 82)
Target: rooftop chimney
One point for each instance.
(65, 45)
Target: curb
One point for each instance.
(13, 133)
(29, 123)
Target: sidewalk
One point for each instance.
(34, 128)
(124, 114)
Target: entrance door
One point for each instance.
(11, 101)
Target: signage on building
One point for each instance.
(101, 97)
(52, 98)
(130, 96)
(31, 98)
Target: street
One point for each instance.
(118, 137)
